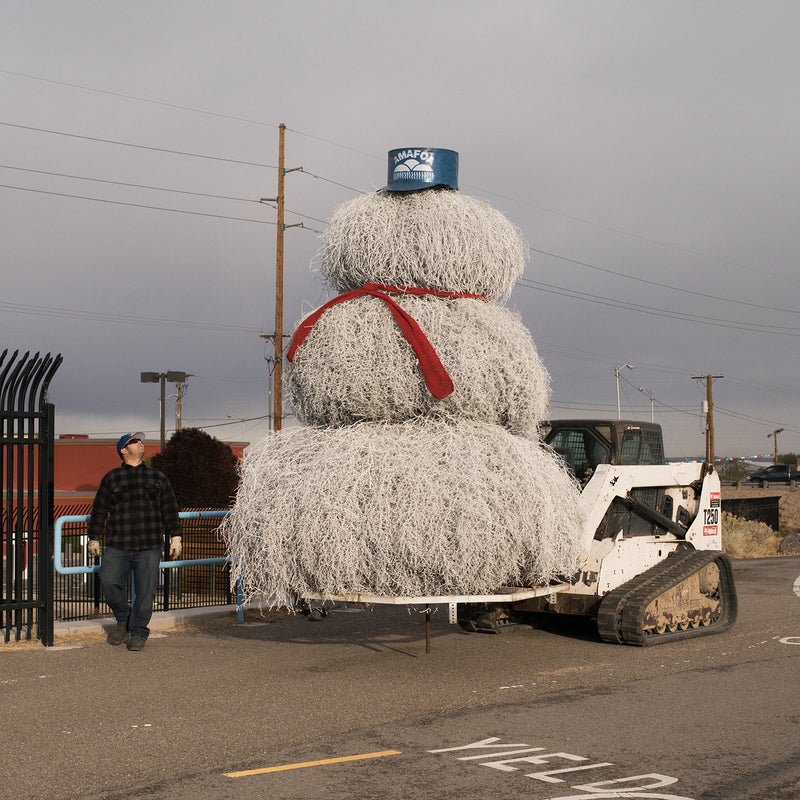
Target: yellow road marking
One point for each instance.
(304, 764)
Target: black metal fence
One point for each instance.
(26, 495)
(758, 509)
(78, 596)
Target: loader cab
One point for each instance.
(585, 443)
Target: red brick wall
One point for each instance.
(79, 464)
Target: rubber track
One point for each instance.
(609, 615)
(620, 618)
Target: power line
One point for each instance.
(330, 180)
(663, 285)
(660, 402)
(643, 309)
(136, 205)
(335, 144)
(745, 326)
(157, 189)
(129, 185)
(341, 185)
(194, 110)
(316, 219)
(237, 421)
(622, 232)
(206, 112)
(98, 316)
(597, 358)
(660, 312)
(755, 420)
(762, 385)
(137, 146)
(139, 99)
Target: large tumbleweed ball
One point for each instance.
(437, 239)
(415, 509)
(355, 365)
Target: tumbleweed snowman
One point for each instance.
(416, 469)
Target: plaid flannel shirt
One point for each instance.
(135, 506)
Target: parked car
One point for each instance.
(777, 473)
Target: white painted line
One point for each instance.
(622, 796)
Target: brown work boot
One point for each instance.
(136, 643)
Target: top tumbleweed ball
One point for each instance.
(435, 238)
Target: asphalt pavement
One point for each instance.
(353, 706)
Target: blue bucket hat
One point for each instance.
(415, 168)
(125, 438)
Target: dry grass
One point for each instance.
(747, 539)
(19, 647)
(743, 538)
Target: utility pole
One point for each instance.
(277, 392)
(181, 386)
(774, 435)
(709, 379)
(277, 373)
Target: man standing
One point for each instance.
(135, 505)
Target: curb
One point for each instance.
(160, 621)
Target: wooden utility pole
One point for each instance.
(709, 379)
(277, 336)
(277, 383)
(774, 435)
(179, 408)
(181, 387)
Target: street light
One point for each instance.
(162, 378)
(652, 397)
(617, 369)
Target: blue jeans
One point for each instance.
(115, 567)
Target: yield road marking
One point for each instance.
(304, 764)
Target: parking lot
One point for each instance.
(352, 706)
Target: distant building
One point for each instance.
(79, 464)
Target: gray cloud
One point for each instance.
(652, 140)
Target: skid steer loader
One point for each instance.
(655, 571)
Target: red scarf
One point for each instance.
(435, 375)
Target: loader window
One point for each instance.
(620, 519)
(641, 447)
(582, 451)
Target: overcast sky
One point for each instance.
(647, 150)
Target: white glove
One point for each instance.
(175, 547)
(94, 547)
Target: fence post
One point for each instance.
(46, 511)
(26, 491)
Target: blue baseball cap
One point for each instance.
(125, 438)
(415, 168)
